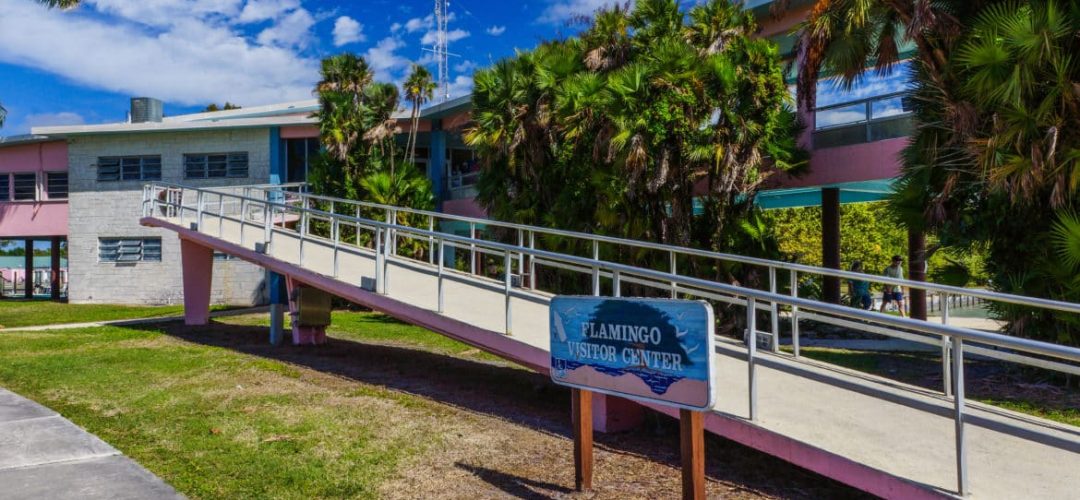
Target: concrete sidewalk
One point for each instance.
(43, 455)
(131, 322)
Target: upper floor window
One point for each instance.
(56, 185)
(873, 108)
(870, 97)
(208, 166)
(129, 168)
(24, 187)
(129, 249)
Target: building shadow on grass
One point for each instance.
(513, 394)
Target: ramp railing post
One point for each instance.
(958, 415)
(671, 265)
(751, 351)
(431, 239)
(358, 226)
(946, 369)
(243, 219)
(596, 269)
(221, 215)
(472, 248)
(378, 261)
(795, 314)
(508, 263)
(199, 211)
(616, 284)
(442, 265)
(267, 231)
(774, 312)
(335, 227)
(521, 255)
(532, 260)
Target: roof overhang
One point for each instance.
(850, 192)
(175, 126)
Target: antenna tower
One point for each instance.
(442, 14)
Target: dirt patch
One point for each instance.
(496, 430)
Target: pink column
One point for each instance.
(198, 267)
(614, 414)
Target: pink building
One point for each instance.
(33, 209)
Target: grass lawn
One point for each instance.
(385, 410)
(987, 382)
(16, 313)
(214, 422)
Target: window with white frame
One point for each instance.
(217, 165)
(129, 249)
(129, 168)
(24, 187)
(56, 185)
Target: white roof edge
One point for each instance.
(111, 128)
(278, 108)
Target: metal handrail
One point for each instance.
(781, 265)
(388, 231)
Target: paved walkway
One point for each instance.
(126, 322)
(44, 455)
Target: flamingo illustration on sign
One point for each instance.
(560, 330)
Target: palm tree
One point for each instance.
(419, 88)
(3, 114)
(60, 4)
(341, 97)
(615, 130)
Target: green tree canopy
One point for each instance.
(654, 123)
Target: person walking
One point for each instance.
(894, 293)
(859, 290)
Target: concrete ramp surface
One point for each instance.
(882, 436)
(43, 455)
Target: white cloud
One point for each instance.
(460, 86)
(465, 67)
(264, 10)
(166, 12)
(194, 61)
(394, 28)
(496, 30)
(347, 30)
(294, 30)
(418, 23)
(560, 11)
(451, 36)
(384, 60)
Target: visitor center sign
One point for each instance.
(657, 350)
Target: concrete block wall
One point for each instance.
(112, 210)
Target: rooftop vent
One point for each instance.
(145, 109)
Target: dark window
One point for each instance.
(25, 187)
(208, 166)
(129, 249)
(56, 184)
(5, 187)
(299, 153)
(129, 168)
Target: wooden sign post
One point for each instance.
(652, 350)
(581, 404)
(692, 445)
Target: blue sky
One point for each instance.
(81, 66)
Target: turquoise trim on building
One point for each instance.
(277, 167)
(850, 192)
(276, 288)
(437, 161)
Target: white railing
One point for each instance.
(274, 209)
